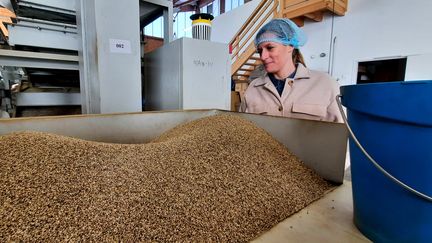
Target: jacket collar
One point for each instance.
(301, 73)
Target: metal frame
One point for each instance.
(160, 8)
(38, 60)
(43, 34)
(59, 6)
(89, 80)
(47, 99)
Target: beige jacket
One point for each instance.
(309, 95)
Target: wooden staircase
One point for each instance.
(244, 57)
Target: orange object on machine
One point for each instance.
(5, 17)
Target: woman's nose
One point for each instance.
(264, 54)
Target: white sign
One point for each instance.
(120, 46)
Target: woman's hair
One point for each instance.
(297, 57)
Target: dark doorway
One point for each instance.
(391, 70)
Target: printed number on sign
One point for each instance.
(120, 46)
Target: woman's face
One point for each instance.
(275, 56)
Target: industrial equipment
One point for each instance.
(70, 56)
(187, 74)
(39, 57)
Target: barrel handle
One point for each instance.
(394, 179)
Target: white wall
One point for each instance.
(319, 38)
(370, 30)
(419, 67)
(225, 26)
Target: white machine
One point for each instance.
(188, 74)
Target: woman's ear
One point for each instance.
(289, 48)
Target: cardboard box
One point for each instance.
(235, 101)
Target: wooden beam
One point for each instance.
(340, 8)
(3, 28)
(304, 8)
(7, 13)
(240, 80)
(247, 69)
(242, 74)
(290, 3)
(296, 8)
(299, 21)
(315, 16)
(241, 60)
(254, 63)
(248, 66)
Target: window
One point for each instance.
(182, 26)
(232, 4)
(381, 71)
(156, 28)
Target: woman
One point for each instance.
(288, 88)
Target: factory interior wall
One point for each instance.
(382, 29)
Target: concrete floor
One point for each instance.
(329, 219)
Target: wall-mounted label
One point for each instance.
(120, 46)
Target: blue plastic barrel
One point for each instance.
(393, 122)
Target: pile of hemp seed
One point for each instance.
(219, 178)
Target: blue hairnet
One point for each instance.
(282, 31)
